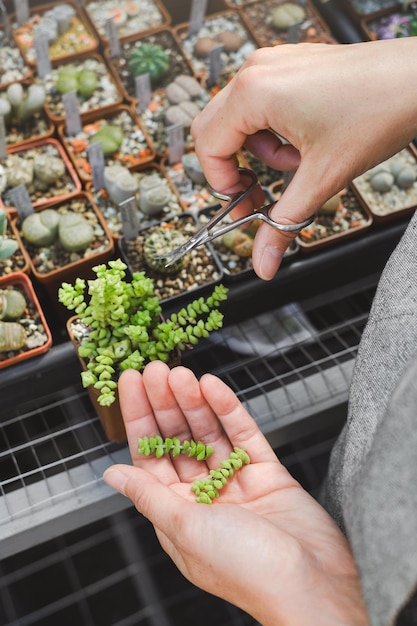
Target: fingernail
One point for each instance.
(270, 260)
(116, 479)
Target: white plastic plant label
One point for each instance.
(72, 115)
(21, 200)
(128, 214)
(112, 36)
(197, 15)
(175, 143)
(97, 164)
(3, 140)
(21, 8)
(215, 64)
(143, 91)
(43, 61)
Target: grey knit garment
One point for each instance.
(371, 488)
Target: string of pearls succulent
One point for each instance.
(205, 489)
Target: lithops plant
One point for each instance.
(72, 230)
(149, 59)
(193, 169)
(12, 304)
(110, 137)
(12, 336)
(19, 103)
(157, 244)
(75, 233)
(41, 228)
(18, 171)
(286, 15)
(119, 183)
(154, 200)
(239, 242)
(83, 81)
(396, 171)
(47, 169)
(7, 246)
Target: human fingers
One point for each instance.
(202, 421)
(240, 428)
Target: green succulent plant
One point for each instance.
(83, 81)
(122, 326)
(149, 59)
(205, 489)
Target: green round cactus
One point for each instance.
(149, 59)
(158, 244)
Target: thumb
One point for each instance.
(156, 501)
(301, 200)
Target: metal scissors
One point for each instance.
(209, 231)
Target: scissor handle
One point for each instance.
(263, 214)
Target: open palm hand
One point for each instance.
(264, 544)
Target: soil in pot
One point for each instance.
(69, 35)
(269, 28)
(111, 212)
(130, 18)
(32, 337)
(201, 268)
(126, 142)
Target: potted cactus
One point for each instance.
(24, 332)
(118, 325)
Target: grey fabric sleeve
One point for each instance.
(371, 488)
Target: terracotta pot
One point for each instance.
(76, 146)
(128, 28)
(82, 266)
(83, 42)
(52, 193)
(110, 416)
(22, 282)
(159, 36)
(114, 221)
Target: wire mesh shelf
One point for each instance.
(287, 368)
